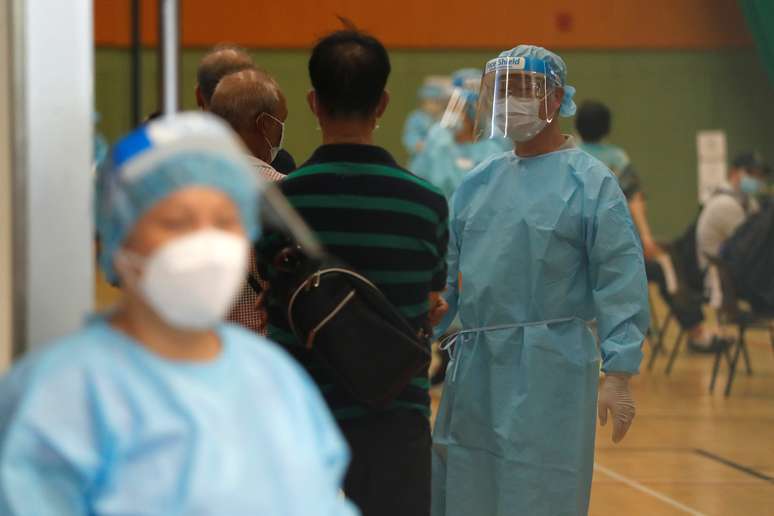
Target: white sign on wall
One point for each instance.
(711, 148)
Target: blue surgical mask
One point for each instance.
(750, 185)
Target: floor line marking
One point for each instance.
(644, 489)
(735, 465)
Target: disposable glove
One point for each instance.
(616, 396)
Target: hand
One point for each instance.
(615, 396)
(438, 308)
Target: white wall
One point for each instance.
(58, 50)
(6, 182)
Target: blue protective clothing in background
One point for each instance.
(538, 247)
(611, 155)
(96, 424)
(415, 130)
(444, 162)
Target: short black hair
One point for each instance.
(593, 121)
(349, 71)
(751, 162)
(217, 63)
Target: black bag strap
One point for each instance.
(254, 283)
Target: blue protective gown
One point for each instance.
(415, 130)
(95, 424)
(538, 247)
(444, 162)
(614, 157)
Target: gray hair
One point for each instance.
(240, 97)
(220, 61)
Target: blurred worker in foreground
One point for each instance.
(451, 149)
(253, 104)
(433, 97)
(158, 407)
(541, 242)
(219, 62)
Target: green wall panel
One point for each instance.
(659, 101)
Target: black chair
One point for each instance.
(678, 290)
(731, 312)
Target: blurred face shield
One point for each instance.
(516, 98)
(462, 104)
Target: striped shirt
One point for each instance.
(384, 222)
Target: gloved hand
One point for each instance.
(615, 396)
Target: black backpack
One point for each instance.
(371, 350)
(749, 254)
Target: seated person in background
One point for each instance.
(253, 104)
(158, 407)
(593, 124)
(730, 205)
(219, 62)
(451, 149)
(433, 97)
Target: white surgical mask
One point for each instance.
(522, 117)
(274, 149)
(192, 281)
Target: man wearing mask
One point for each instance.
(391, 227)
(225, 60)
(730, 205)
(253, 104)
(541, 242)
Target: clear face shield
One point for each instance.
(461, 104)
(434, 95)
(515, 101)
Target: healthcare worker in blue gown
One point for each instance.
(451, 149)
(433, 96)
(541, 244)
(158, 408)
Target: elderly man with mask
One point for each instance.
(219, 62)
(541, 243)
(253, 104)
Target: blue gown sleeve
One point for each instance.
(620, 288)
(49, 445)
(437, 162)
(451, 294)
(415, 130)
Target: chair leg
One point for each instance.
(746, 356)
(658, 342)
(732, 367)
(716, 368)
(675, 351)
(654, 351)
(664, 328)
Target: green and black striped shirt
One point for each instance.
(383, 221)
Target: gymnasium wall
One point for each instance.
(667, 68)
